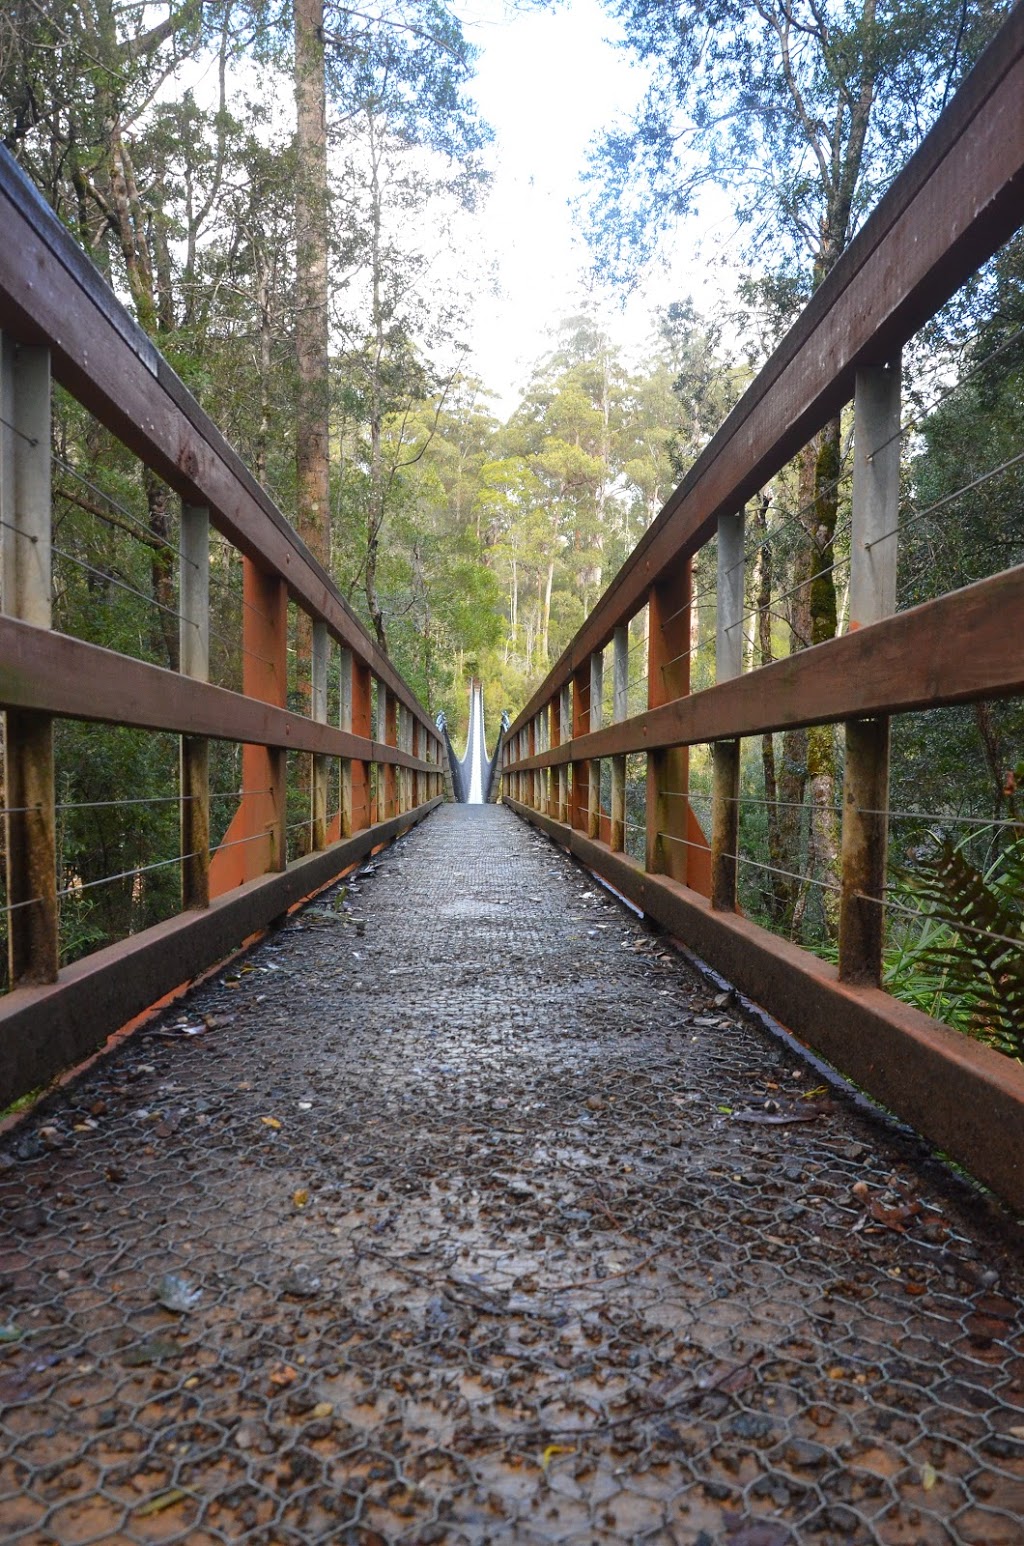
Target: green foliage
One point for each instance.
(802, 110)
(967, 962)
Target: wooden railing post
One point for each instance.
(194, 661)
(553, 728)
(321, 765)
(668, 677)
(362, 725)
(33, 944)
(564, 710)
(876, 483)
(399, 718)
(345, 782)
(726, 754)
(594, 765)
(387, 706)
(407, 744)
(580, 796)
(620, 711)
(255, 842)
(265, 641)
(533, 777)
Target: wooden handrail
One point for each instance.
(959, 198)
(60, 320)
(51, 294)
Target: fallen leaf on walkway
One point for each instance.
(773, 1118)
(270, 1122)
(10, 1333)
(895, 1217)
(283, 1374)
(300, 1198)
(553, 1450)
(929, 1476)
(161, 1501)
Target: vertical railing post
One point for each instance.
(539, 724)
(194, 661)
(564, 710)
(579, 813)
(407, 800)
(416, 734)
(345, 826)
(553, 728)
(265, 676)
(620, 711)
(668, 677)
(321, 764)
(594, 764)
(255, 842)
(876, 480)
(726, 754)
(388, 733)
(406, 772)
(380, 735)
(25, 550)
(362, 706)
(533, 776)
(400, 746)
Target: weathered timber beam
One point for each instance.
(50, 292)
(965, 1098)
(959, 198)
(48, 1029)
(957, 649)
(57, 674)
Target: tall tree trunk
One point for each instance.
(263, 301)
(311, 326)
(545, 615)
(375, 520)
(823, 847)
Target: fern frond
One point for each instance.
(980, 956)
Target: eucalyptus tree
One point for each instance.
(405, 144)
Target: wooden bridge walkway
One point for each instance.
(461, 1210)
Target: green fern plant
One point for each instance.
(969, 955)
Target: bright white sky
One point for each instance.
(548, 81)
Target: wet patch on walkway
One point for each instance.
(461, 1210)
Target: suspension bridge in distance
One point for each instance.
(473, 775)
